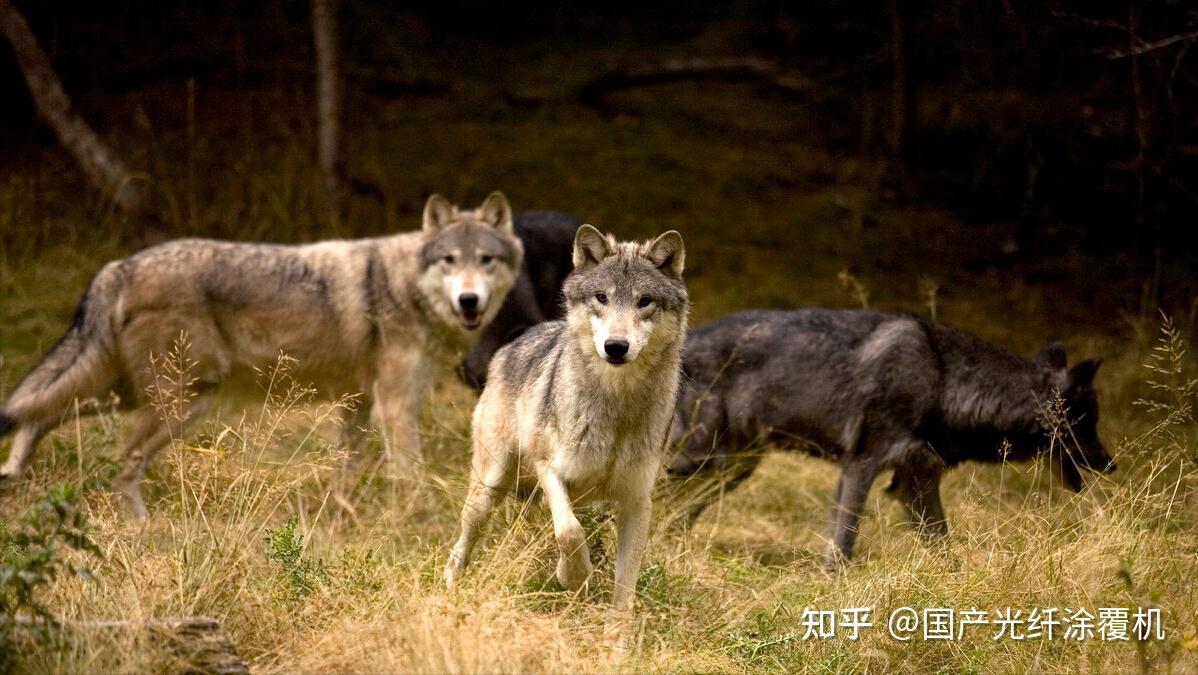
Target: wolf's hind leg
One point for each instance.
(23, 443)
(916, 485)
(149, 435)
(925, 508)
(355, 424)
(574, 560)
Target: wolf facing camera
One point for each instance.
(581, 407)
(380, 317)
(548, 238)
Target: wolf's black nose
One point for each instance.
(468, 301)
(615, 347)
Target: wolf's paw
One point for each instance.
(834, 561)
(619, 634)
(573, 571)
(453, 570)
(134, 504)
(9, 475)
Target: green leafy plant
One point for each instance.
(31, 558)
(285, 546)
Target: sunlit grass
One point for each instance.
(769, 222)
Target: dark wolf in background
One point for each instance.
(548, 238)
(381, 317)
(875, 390)
(582, 407)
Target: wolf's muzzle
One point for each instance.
(468, 302)
(615, 349)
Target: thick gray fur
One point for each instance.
(380, 317)
(873, 390)
(581, 407)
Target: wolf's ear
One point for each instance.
(590, 247)
(1052, 357)
(497, 212)
(668, 254)
(1082, 374)
(437, 214)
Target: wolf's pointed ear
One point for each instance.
(437, 214)
(668, 254)
(590, 247)
(1052, 357)
(497, 212)
(1082, 374)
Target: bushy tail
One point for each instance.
(80, 365)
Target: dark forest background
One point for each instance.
(1024, 170)
(1058, 128)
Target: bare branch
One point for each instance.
(1145, 47)
(103, 168)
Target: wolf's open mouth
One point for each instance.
(470, 318)
(616, 360)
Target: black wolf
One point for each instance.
(875, 390)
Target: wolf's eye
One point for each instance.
(486, 259)
(645, 301)
(448, 259)
(602, 298)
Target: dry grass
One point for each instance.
(363, 591)
(766, 219)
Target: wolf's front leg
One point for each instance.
(398, 393)
(856, 476)
(490, 479)
(632, 534)
(574, 560)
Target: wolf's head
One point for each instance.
(470, 260)
(1079, 431)
(626, 301)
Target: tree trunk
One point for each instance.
(899, 101)
(103, 168)
(328, 108)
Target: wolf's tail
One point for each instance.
(82, 364)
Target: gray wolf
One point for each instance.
(581, 407)
(875, 390)
(548, 238)
(381, 317)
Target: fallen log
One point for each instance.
(200, 643)
(737, 69)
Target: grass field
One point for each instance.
(312, 571)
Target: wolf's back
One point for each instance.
(80, 365)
